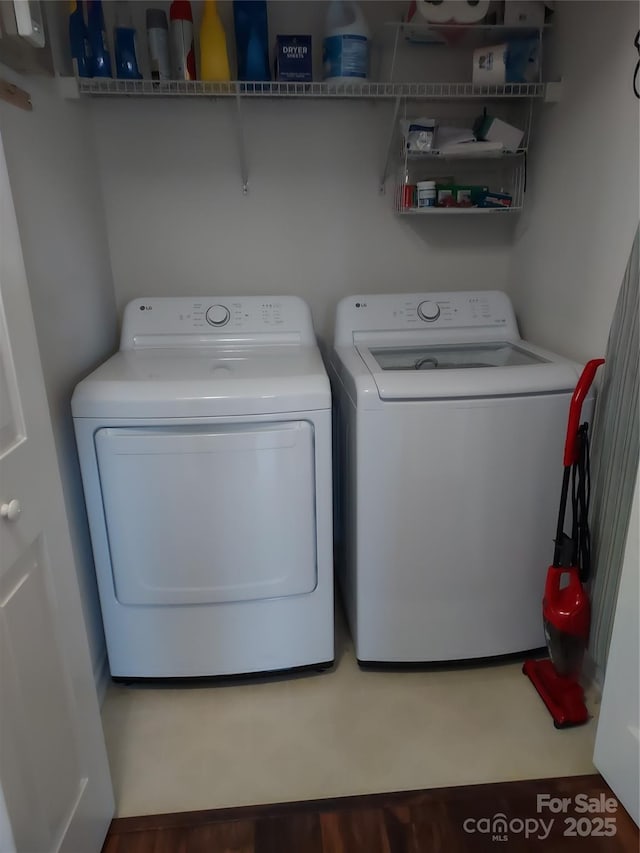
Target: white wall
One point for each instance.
(56, 194)
(313, 223)
(161, 179)
(582, 202)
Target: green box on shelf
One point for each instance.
(460, 193)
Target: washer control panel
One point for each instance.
(424, 312)
(239, 314)
(231, 318)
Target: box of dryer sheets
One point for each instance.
(491, 129)
(293, 59)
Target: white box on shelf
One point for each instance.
(495, 130)
(489, 65)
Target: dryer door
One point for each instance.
(211, 514)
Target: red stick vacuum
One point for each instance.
(565, 606)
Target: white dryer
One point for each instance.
(205, 449)
(448, 461)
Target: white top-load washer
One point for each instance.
(448, 463)
(205, 449)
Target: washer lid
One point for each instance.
(472, 369)
(205, 382)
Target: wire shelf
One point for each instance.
(465, 36)
(368, 91)
(498, 174)
(445, 155)
(455, 211)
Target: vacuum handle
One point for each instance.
(571, 446)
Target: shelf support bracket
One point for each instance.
(242, 151)
(12, 94)
(389, 152)
(395, 52)
(553, 92)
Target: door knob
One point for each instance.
(11, 510)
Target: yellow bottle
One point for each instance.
(214, 60)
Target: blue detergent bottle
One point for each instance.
(252, 39)
(124, 37)
(98, 39)
(79, 41)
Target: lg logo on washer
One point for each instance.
(361, 304)
(146, 307)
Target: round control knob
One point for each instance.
(428, 311)
(218, 315)
(11, 510)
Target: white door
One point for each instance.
(617, 752)
(54, 775)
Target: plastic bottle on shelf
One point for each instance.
(124, 39)
(345, 49)
(182, 50)
(79, 41)
(252, 39)
(214, 59)
(101, 60)
(158, 41)
(426, 193)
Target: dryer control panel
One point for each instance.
(184, 321)
(424, 312)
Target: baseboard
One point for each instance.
(102, 676)
(592, 678)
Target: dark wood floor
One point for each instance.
(413, 822)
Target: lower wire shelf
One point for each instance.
(453, 211)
